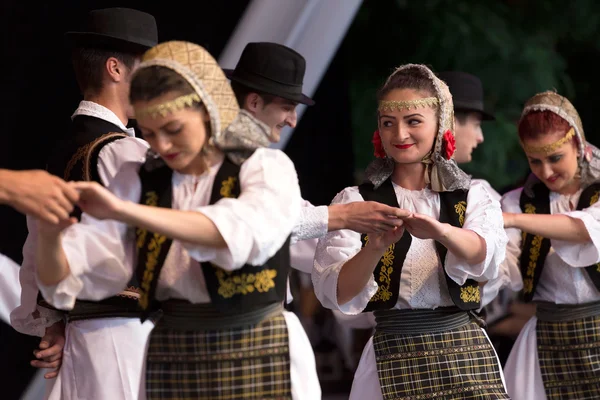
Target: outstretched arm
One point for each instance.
(186, 226)
(554, 227)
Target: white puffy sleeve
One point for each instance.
(99, 253)
(582, 254)
(509, 274)
(484, 217)
(333, 251)
(312, 224)
(115, 154)
(257, 223)
(28, 317)
(9, 287)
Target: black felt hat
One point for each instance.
(273, 69)
(467, 92)
(118, 29)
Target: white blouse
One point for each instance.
(422, 282)
(254, 226)
(563, 281)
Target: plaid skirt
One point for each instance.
(455, 364)
(238, 363)
(569, 358)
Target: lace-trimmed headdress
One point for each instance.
(441, 174)
(588, 155)
(234, 131)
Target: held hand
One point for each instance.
(425, 227)
(51, 350)
(40, 194)
(368, 216)
(97, 201)
(381, 241)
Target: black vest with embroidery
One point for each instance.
(244, 289)
(535, 248)
(387, 273)
(75, 158)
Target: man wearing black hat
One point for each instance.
(267, 82)
(104, 353)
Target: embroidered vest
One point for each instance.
(387, 273)
(244, 289)
(535, 248)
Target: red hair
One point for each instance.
(539, 123)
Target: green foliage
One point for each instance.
(512, 46)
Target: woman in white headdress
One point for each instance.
(211, 211)
(422, 280)
(553, 225)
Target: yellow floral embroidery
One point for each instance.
(529, 209)
(598, 267)
(227, 186)
(534, 254)
(461, 208)
(470, 294)
(153, 251)
(384, 280)
(594, 198)
(230, 285)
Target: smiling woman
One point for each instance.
(554, 250)
(421, 279)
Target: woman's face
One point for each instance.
(557, 169)
(407, 135)
(177, 137)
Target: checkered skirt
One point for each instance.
(238, 363)
(569, 358)
(456, 364)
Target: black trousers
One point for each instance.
(16, 352)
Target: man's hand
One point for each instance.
(39, 194)
(365, 217)
(51, 350)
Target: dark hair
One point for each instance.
(409, 78)
(152, 82)
(539, 123)
(242, 92)
(88, 65)
(462, 115)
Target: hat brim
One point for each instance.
(486, 116)
(298, 98)
(80, 39)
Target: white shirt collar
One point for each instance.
(96, 110)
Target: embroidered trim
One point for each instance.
(534, 254)
(85, 151)
(90, 150)
(549, 148)
(407, 105)
(245, 283)
(470, 294)
(461, 209)
(464, 389)
(227, 187)
(384, 282)
(434, 353)
(580, 346)
(571, 382)
(240, 355)
(168, 107)
(153, 252)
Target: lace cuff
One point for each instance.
(313, 224)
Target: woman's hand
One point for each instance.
(381, 241)
(97, 201)
(425, 227)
